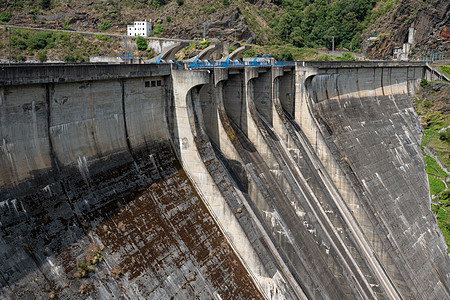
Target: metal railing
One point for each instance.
(237, 64)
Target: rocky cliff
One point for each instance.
(430, 19)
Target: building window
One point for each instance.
(158, 83)
(147, 84)
(153, 83)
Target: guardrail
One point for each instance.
(237, 64)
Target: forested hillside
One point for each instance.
(269, 23)
(314, 23)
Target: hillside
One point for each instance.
(277, 23)
(432, 103)
(181, 19)
(391, 19)
(273, 24)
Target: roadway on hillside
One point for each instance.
(89, 32)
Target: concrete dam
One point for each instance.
(302, 181)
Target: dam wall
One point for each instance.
(356, 118)
(274, 182)
(88, 166)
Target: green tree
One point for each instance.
(141, 43)
(285, 25)
(158, 3)
(5, 16)
(297, 38)
(45, 4)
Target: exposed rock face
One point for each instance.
(431, 21)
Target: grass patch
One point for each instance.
(427, 135)
(281, 53)
(443, 217)
(442, 149)
(436, 185)
(432, 167)
(445, 70)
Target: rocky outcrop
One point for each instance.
(431, 21)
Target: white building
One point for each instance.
(140, 28)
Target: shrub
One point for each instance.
(42, 56)
(141, 43)
(93, 257)
(231, 49)
(180, 2)
(445, 136)
(66, 25)
(323, 57)
(157, 3)
(444, 197)
(5, 16)
(427, 104)
(105, 25)
(204, 44)
(157, 29)
(20, 58)
(40, 40)
(285, 56)
(347, 57)
(33, 12)
(249, 53)
(45, 4)
(69, 58)
(424, 83)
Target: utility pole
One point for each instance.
(332, 47)
(204, 31)
(9, 29)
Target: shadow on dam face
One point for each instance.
(150, 233)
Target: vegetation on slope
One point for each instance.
(71, 47)
(315, 23)
(291, 24)
(432, 106)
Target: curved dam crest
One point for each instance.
(299, 182)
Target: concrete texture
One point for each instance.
(371, 122)
(299, 182)
(91, 163)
